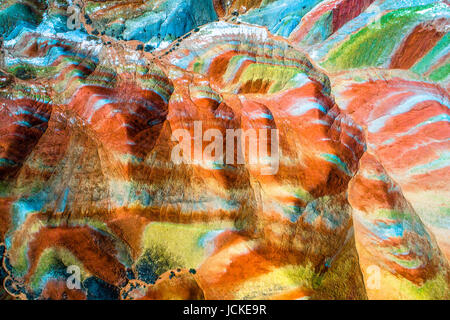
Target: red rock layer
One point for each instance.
(422, 39)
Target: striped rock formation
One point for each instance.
(348, 34)
(355, 208)
(406, 123)
(409, 35)
(392, 240)
(156, 23)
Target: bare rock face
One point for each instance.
(389, 234)
(331, 183)
(175, 285)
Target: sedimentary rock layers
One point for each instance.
(157, 23)
(391, 236)
(25, 113)
(407, 127)
(110, 136)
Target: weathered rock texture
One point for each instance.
(358, 91)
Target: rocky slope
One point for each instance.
(357, 207)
